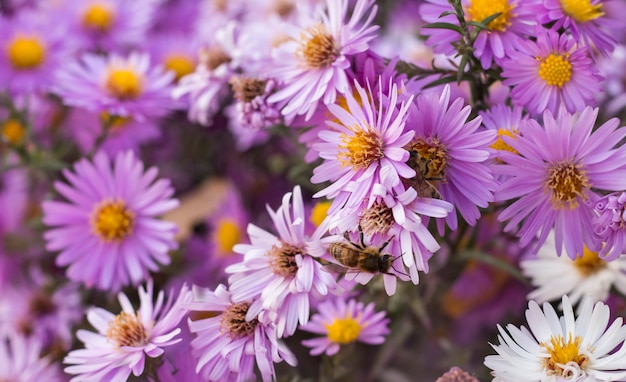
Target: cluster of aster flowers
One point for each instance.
(363, 189)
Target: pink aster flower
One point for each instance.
(107, 232)
(21, 360)
(314, 64)
(609, 225)
(31, 50)
(553, 175)
(450, 153)
(342, 322)
(124, 86)
(364, 146)
(505, 121)
(549, 72)
(278, 270)
(229, 345)
(124, 342)
(593, 23)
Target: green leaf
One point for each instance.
(441, 81)
(449, 26)
(462, 65)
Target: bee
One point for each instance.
(422, 182)
(359, 257)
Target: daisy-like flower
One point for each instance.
(554, 173)
(451, 154)
(549, 72)
(176, 52)
(561, 348)
(342, 322)
(314, 64)
(31, 50)
(506, 121)
(21, 360)
(125, 341)
(587, 275)
(108, 233)
(121, 86)
(229, 345)
(277, 271)
(364, 146)
(609, 225)
(594, 23)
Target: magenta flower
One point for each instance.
(21, 360)
(554, 173)
(314, 64)
(278, 270)
(120, 86)
(364, 146)
(125, 341)
(108, 233)
(452, 153)
(228, 346)
(549, 72)
(505, 121)
(609, 225)
(342, 322)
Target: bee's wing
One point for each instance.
(336, 268)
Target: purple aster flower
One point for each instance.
(108, 233)
(609, 225)
(365, 146)
(21, 360)
(553, 175)
(32, 49)
(342, 322)
(516, 21)
(450, 154)
(313, 65)
(13, 197)
(593, 23)
(549, 72)
(124, 86)
(124, 342)
(176, 52)
(278, 270)
(229, 345)
(505, 121)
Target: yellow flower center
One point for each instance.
(500, 145)
(13, 131)
(479, 10)
(115, 122)
(343, 330)
(589, 263)
(124, 84)
(111, 220)
(555, 70)
(318, 48)
(26, 52)
(561, 353)
(126, 330)
(319, 212)
(429, 158)
(180, 64)
(582, 10)
(360, 149)
(98, 17)
(566, 181)
(227, 234)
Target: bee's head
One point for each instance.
(385, 263)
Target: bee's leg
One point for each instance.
(385, 244)
(361, 236)
(346, 235)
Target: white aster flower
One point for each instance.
(559, 349)
(587, 275)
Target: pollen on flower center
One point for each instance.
(283, 259)
(233, 321)
(111, 220)
(361, 149)
(246, 89)
(562, 353)
(126, 330)
(555, 70)
(430, 157)
(318, 48)
(566, 181)
(13, 131)
(589, 262)
(582, 10)
(124, 84)
(500, 145)
(319, 212)
(26, 52)
(214, 57)
(115, 122)
(98, 17)
(481, 9)
(343, 330)
(228, 234)
(180, 64)
(377, 219)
